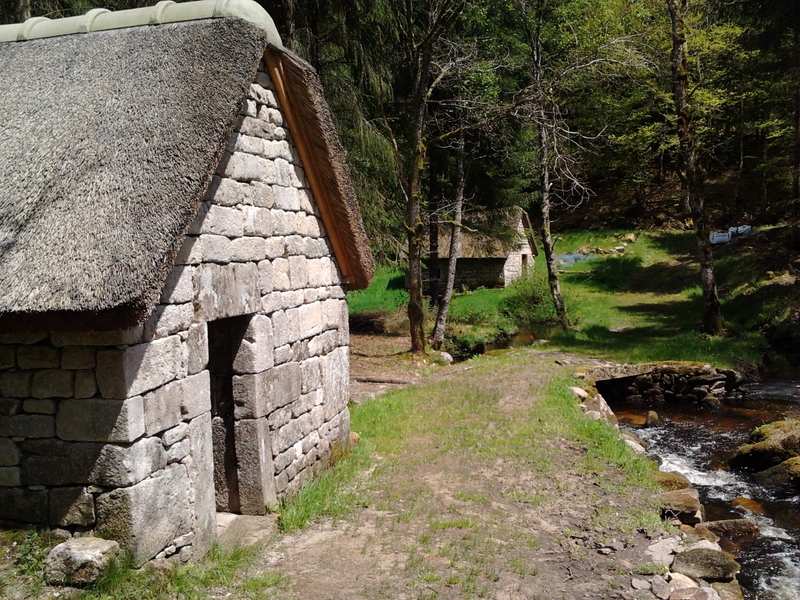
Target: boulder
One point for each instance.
(703, 544)
(637, 448)
(670, 481)
(730, 527)
(632, 437)
(769, 445)
(728, 591)
(79, 561)
(580, 393)
(682, 579)
(697, 593)
(598, 404)
(748, 504)
(444, 358)
(703, 563)
(653, 420)
(785, 476)
(683, 505)
(664, 590)
(640, 584)
(663, 551)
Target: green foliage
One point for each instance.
(22, 558)
(650, 569)
(527, 302)
(31, 553)
(477, 307)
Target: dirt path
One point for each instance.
(459, 511)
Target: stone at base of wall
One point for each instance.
(146, 517)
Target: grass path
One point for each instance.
(483, 482)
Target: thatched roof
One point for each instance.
(108, 141)
(490, 234)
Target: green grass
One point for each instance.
(385, 294)
(235, 569)
(639, 306)
(644, 305)
(453, 417)
(479, 307)
(334, 493)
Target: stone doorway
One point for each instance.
(224, 339)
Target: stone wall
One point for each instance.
(111, 432)
(489, 272)
(668, 382)
(473, 273)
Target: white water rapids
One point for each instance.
(770, 571)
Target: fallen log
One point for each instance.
(363, 379)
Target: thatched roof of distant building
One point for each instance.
(109, 140)
(490, 234)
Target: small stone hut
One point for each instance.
(177, 233)
(492, 256)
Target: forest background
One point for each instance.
(454, 106)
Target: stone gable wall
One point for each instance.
(111, 432)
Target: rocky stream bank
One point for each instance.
(705, 550)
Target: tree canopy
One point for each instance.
(566, 101)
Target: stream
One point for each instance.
(698, 444)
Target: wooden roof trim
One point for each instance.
(320, 192)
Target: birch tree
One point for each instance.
(558, 57)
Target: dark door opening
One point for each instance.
(224, 338)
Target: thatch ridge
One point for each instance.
(313, 112)
(105, 155)
(490, 234)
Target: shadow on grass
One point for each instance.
(645, 344)
(680, 245)
(671, 332)
(748, 260)
(763, 306)
(661, 321)
(627, 274)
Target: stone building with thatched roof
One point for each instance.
(177, 233)
(497, 247)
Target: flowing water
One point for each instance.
(698, 444)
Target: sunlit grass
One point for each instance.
(385, 294)
(641, 305)
(233, 568)
(645, 305)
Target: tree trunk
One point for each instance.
(455, 250)
(434, 200)
(796, 162)
(414, 225)
(691, 172)
(23, 10)
(547, 239)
